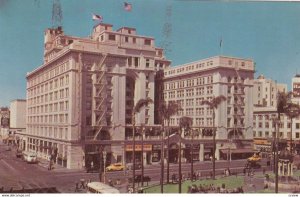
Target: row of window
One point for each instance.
(52, 132)
(188, 93)
(65, 66)
(53, 107)
(198, 121)
(127, 39)
(272, 134)
(270, 117)
(51, 85)
(188, 83)
(56, 118)
(190, 67)
(268, 125)
(52, 96)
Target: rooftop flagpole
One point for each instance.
(221, 46)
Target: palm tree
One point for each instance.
(292, 111)
(166, 111)
(282, 103)
(185, 124)
(213, 104)
(136, 109)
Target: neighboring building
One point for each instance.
(191, 83)
(18, 120)
(18, 114)
(4, 121)
(80, 100)
(265, 114)
(296, 88)
(265, 92)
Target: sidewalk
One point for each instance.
(56, 168)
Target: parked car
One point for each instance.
(138, 165)
(256, 157)
(19, 153)
(115, 167)
(138, 179)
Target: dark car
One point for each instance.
(19, 153)
(138, 165)
(138, 179)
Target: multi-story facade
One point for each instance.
(264, 115)
(194, 82)
(80, 100)
(4, 121)
(17, 125)
(265, 92)
(18, 114)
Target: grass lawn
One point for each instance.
(230, 182)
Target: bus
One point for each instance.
(101, 188)
(30, 157)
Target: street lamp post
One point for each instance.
(142, 178)
(168, 157)
(192, 156)
(104, 161)
(179, 157)
(276, 154)
(162, 160)
(100, 149)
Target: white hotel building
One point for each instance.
(85, 91)
(191, 83)
(80, 100)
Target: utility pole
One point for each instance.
(179, 157)
(192, 156)
(276, 153)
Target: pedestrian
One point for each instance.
(76, 187)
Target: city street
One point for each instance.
(17, 174)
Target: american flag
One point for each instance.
(97, 17)
(127, 6)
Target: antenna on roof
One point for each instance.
(56, 14)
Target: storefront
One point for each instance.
(188, 152)
(147, 150)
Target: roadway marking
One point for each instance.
(9, 166)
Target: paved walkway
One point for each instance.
(57, 168)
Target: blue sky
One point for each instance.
(267, 32)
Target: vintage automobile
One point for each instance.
(115, 167)
(138, 179)
(19, 153)
(138, 165)
(254, 158)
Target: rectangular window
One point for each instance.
(147, 42)
(129, 61)
(136, 61)
(111, 37)
(147, 63)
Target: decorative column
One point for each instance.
(201, 152)
(279, 167)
